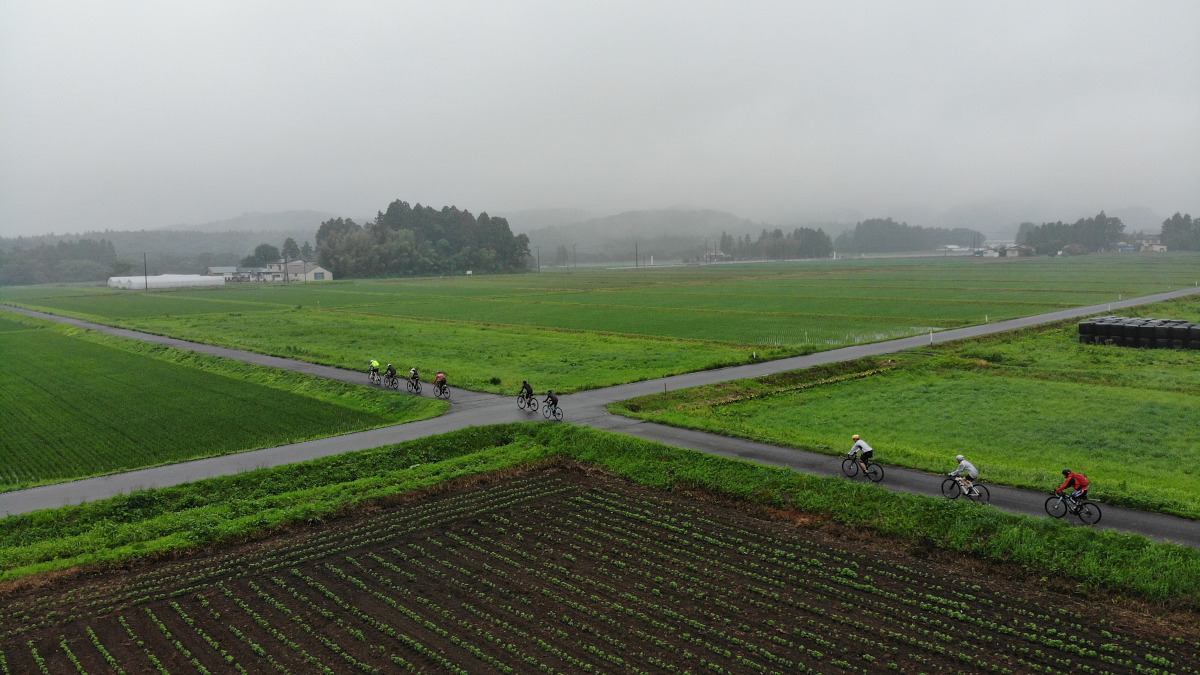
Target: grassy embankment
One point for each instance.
(1021, 406)
(79, 403)
(235, 508)
(574, 330)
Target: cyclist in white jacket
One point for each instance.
(862, 451)
(967, 468)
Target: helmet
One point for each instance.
(524, 381)
(856, 437)
(389, 365)
(549, 391)
(1066, 472)
(959, 457)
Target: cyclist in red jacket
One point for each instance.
(1074, 480)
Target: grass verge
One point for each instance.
(237, 508)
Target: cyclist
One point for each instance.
(551, 399)
(374, 367)
(526, 390)
(1077, 481)
(862, 451)
(439, 380)
(965, 467)
(412, 374)
(391, 371)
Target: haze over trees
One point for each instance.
(802, 242)
(885, 235)
(419, 240)
(1086, 235)
(1181, 233)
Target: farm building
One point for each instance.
(296, 270)
(165, 281)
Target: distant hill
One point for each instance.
(667, 234)
(522, 222)
(282, 221)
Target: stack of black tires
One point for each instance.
(1145, 333)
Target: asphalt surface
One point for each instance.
(588, 408)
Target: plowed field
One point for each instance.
(568, 571)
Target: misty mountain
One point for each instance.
(536, 219)
(282, 221)
(667, 234)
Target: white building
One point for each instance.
(296, 270)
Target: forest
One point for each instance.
(419, 240)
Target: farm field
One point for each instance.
(1021, 406)
(582, 329)
(79, 403)
(567, 569)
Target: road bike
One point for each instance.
(952, 488)
(850, 467)
(554, 411)
(527, 402)
(1060, 504)
(441, 390)
(373, 377)
(414, 386)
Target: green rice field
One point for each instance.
(580, 329)
(77, 403)
(1021, 406)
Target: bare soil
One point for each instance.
(568, 570)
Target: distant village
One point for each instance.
(286, 271)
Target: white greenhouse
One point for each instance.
(165, 281)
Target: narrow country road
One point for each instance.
(588, 408)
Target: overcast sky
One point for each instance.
(132, 115)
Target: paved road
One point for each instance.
(588, 408)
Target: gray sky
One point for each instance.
(142, 114)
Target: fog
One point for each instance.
(146, 114)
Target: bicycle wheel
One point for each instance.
(521, 402)
(443, 392)
(874, 472)
(396, 383)
(547, 411)
(979, 494)
(1089, 513)
(557, 414)
(417, 386)
(1056, 507)
(411, 387)
(950, 488)
(850, 467)
(533, 404)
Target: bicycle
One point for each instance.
(552, 411)
(391, 382)
(441, 390)
(850, 467)
(373, 377)
(414, 386)
(1059, 504)
(952, 488)
(529, 402)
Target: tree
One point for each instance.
(306, 252)
(263, 254)
(1181, 233)
(290, 250)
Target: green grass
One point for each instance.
(622, 325)
(234, 508)
(79, 403)
(1021, 406)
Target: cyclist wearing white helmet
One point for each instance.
(965, 467)
(861, 451)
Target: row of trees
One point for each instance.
(887, 236)
(801, 242)
(419, 240)
(62, 262)
(1181, 233)
(266, 253)
(1086, 235)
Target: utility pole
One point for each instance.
(635, 254)
(286, 265)
(575, 256)
(539, 257)
(145, 271)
